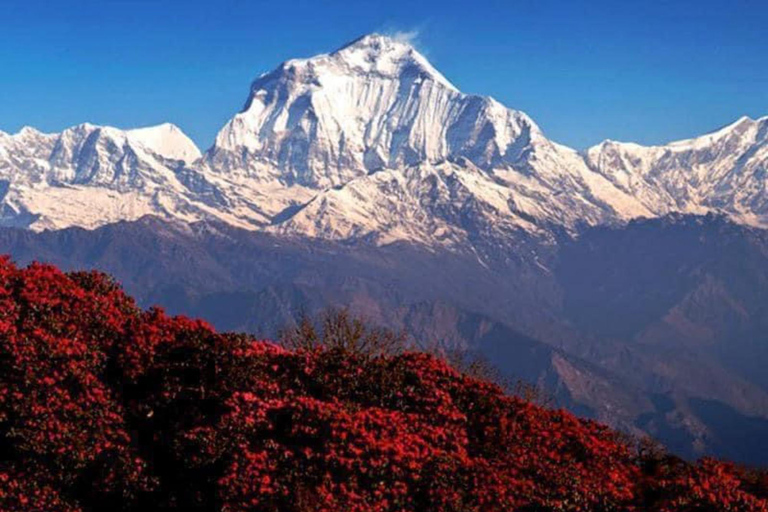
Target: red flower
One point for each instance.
(104, 406)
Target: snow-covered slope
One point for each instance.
(725, 171)
(371, 142)
(93, 175)
(166, 140)
(395, 151)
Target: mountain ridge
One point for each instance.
(370, 143)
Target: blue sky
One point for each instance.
(647, 71)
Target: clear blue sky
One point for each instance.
(646, 71)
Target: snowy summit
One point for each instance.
(370, 142)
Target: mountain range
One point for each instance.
(628, 281)
(371, 142)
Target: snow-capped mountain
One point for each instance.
(372, 142)
(93, 175)
(725, 171)
(389, 149)
(167, 141)
(376, 103)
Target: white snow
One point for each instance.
(372, 142)
(723, 171)
(166, 140)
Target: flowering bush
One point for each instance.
(107, 407)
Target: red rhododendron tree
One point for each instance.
(107, 407)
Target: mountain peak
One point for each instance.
(387, 56)
(742, 123)
(167, 140)
(28, 131)
(374, 103)
(369, 56)
(377, 41)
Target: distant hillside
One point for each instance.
(657, 326)
(104, 406)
